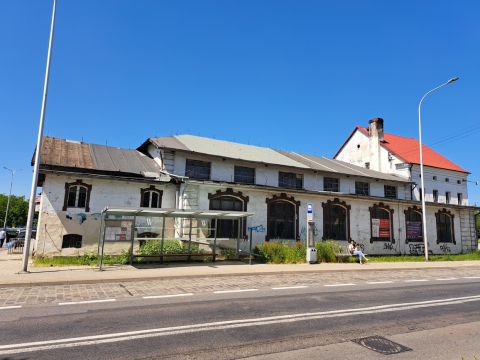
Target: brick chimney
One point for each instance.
(375, 130)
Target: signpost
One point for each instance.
(311, 251)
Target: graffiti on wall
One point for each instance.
(81, 217)
(360, 247)
(445, 248)
(388, 246)
(418, 249)
(258, 228)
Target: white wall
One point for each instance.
(54, 223)
(353, 154)
(359, 220)
(440, 184)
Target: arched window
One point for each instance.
(381, 224)
(282, 217)
(413, 224)
(445, 230)
(77, 195)
(72, 241)
(228, 200)
(336, 220)
(151, 197)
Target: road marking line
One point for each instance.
(339, 285)
(231, 324)
(233, 291)
(380, 282)
(166, 296)
(289, 287)
(447, 279)
(86, 302)
(415, 280)
(10, 307)
(472, 277)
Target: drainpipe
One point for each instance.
(411, 186)
(475, 216)
(177, 197)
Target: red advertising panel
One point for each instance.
(384, 231)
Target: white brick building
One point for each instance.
(350, 202)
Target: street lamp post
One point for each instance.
(38, 151)
(9, 194)
(424, 219)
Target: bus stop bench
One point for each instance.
(174, 255)
(343, 252)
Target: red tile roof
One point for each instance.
(409, 151)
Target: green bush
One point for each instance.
(281, 252)
(326, 250)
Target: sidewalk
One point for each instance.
(10, 265)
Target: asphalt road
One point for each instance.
(268, 323)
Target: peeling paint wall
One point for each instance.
(54, 223)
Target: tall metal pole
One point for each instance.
(31, 206)
(424, 218)
(9, 194)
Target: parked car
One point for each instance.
(21, 234)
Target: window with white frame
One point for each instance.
(447, 197)
(151, 197)
(77, 195)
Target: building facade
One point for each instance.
(374, 208)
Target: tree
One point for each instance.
(17, 211)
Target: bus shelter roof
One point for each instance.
(175, 213)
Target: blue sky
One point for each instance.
(296, 75)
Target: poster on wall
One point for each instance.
(414, 230)
(381, 228)
(118, 230)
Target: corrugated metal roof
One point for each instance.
(336, 166)
(66, 153)
(226, 149)
(206, 146)
(60, 152)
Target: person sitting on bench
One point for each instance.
(354, 250)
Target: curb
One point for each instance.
(220, 275)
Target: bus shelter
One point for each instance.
(129, 225)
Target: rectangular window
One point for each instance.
(290, 180)
(197, 169)
(459, 182)
(447, 197)
(459, 198)
(434, 178)
(390, 191)
(420, 194)
(447, 180)
(362, 188)
(244, 174)
(435, 195)
(330, 184)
